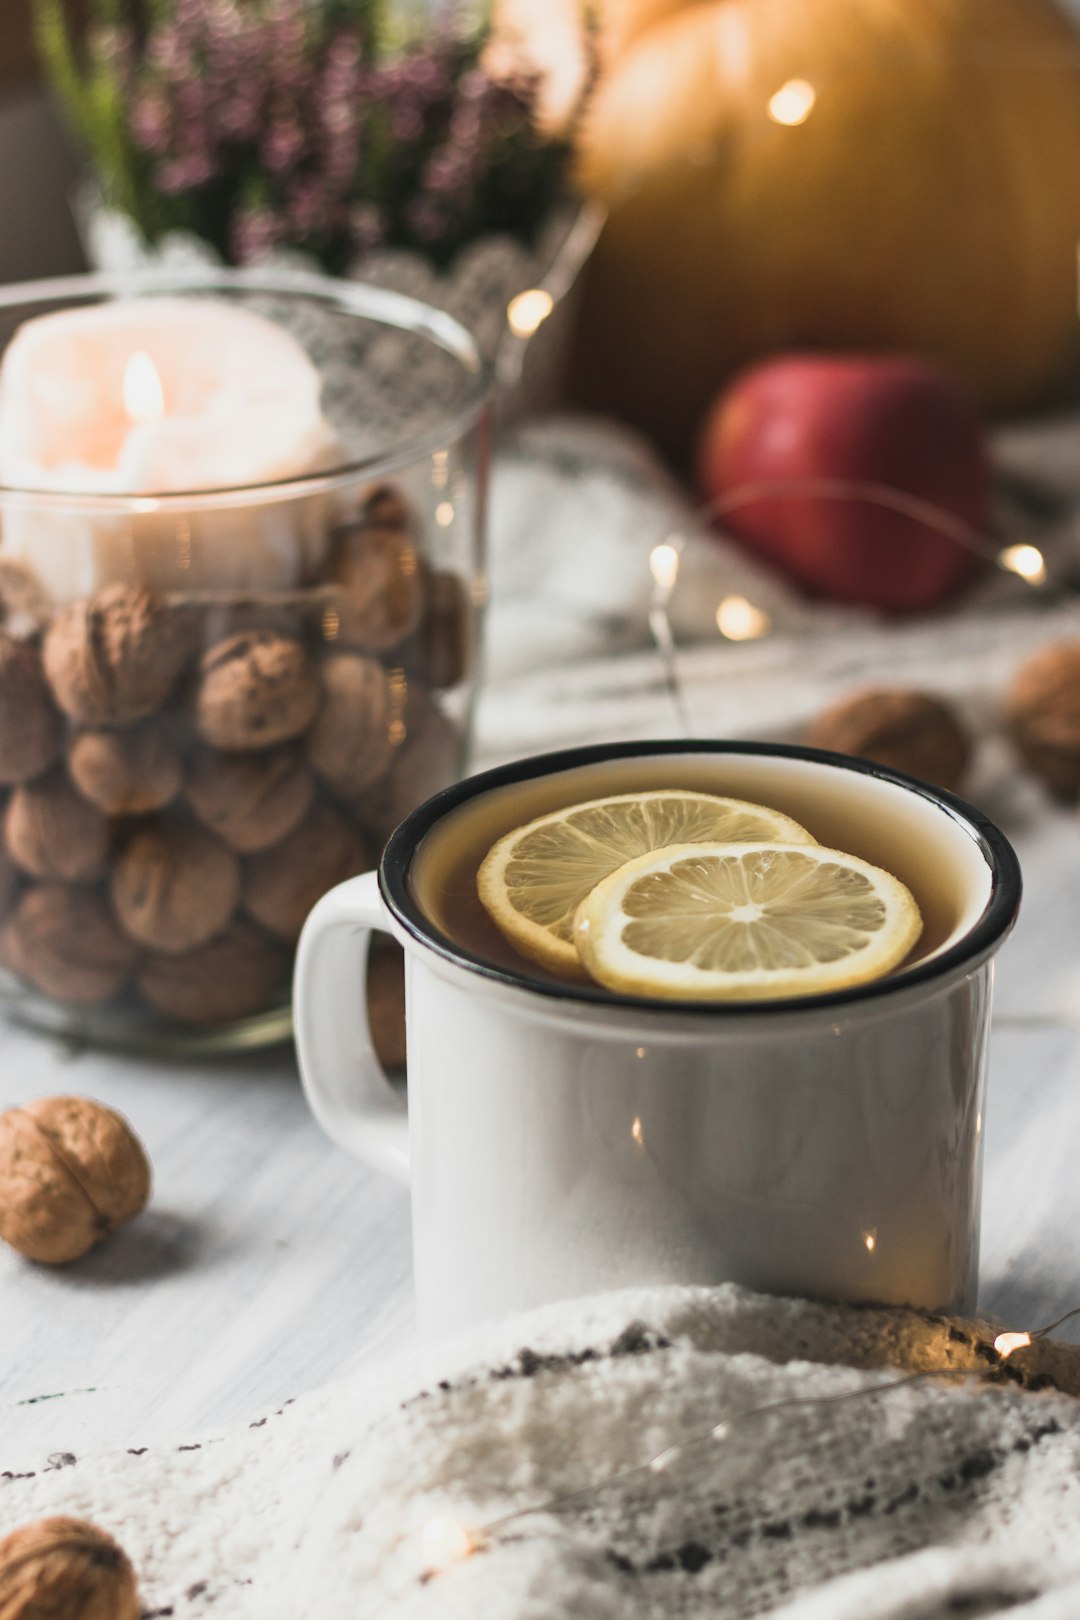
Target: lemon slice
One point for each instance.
(532, 881)
(735, 922)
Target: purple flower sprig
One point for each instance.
(261, 124)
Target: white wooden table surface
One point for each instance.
(270, 1263)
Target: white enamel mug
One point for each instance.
(559, 1139)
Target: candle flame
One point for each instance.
(144, 397)
(1006, 1343)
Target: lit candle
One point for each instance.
(159, 397)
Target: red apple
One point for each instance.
(884, 420)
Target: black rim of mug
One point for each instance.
(988, 931)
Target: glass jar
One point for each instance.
(215, 702)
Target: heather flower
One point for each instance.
(282, 123)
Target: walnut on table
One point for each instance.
(908, 731)
(1042, 712)
(71, 1172)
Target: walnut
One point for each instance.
(174, 887)
(256, 688)
(444, 637)
(25, 609)
(282, 884)
(385, 508)
(30, 727)
(382, 589)
(114, 658)
(429, 758)
(908, 731)
(386, 1003)
(65, 1569)
(1042, 711)
(359, 724)
(64, 941)
(53, 833)
(250, 800)
(71, 1172)
(10, 882)
(126, 773)
(235, 976)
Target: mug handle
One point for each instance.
(343, 1080)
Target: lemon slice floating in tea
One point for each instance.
(739, 922)
(532, 881)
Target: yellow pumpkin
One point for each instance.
(929, 200)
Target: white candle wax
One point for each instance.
(157, 397)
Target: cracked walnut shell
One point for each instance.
(71, 1172)
(1042, 711)
(256, 688)
(114, 658)
(65, 1569)
(907, 731)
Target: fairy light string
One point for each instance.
(446, 1543)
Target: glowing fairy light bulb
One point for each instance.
(793, 103)
(1006, 1343)
(664, 565)
(740, 620)
(444, 1542)
(1027, 561)
(528, 310)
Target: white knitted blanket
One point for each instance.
(941, 1498)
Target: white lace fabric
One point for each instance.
(943, 1497)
